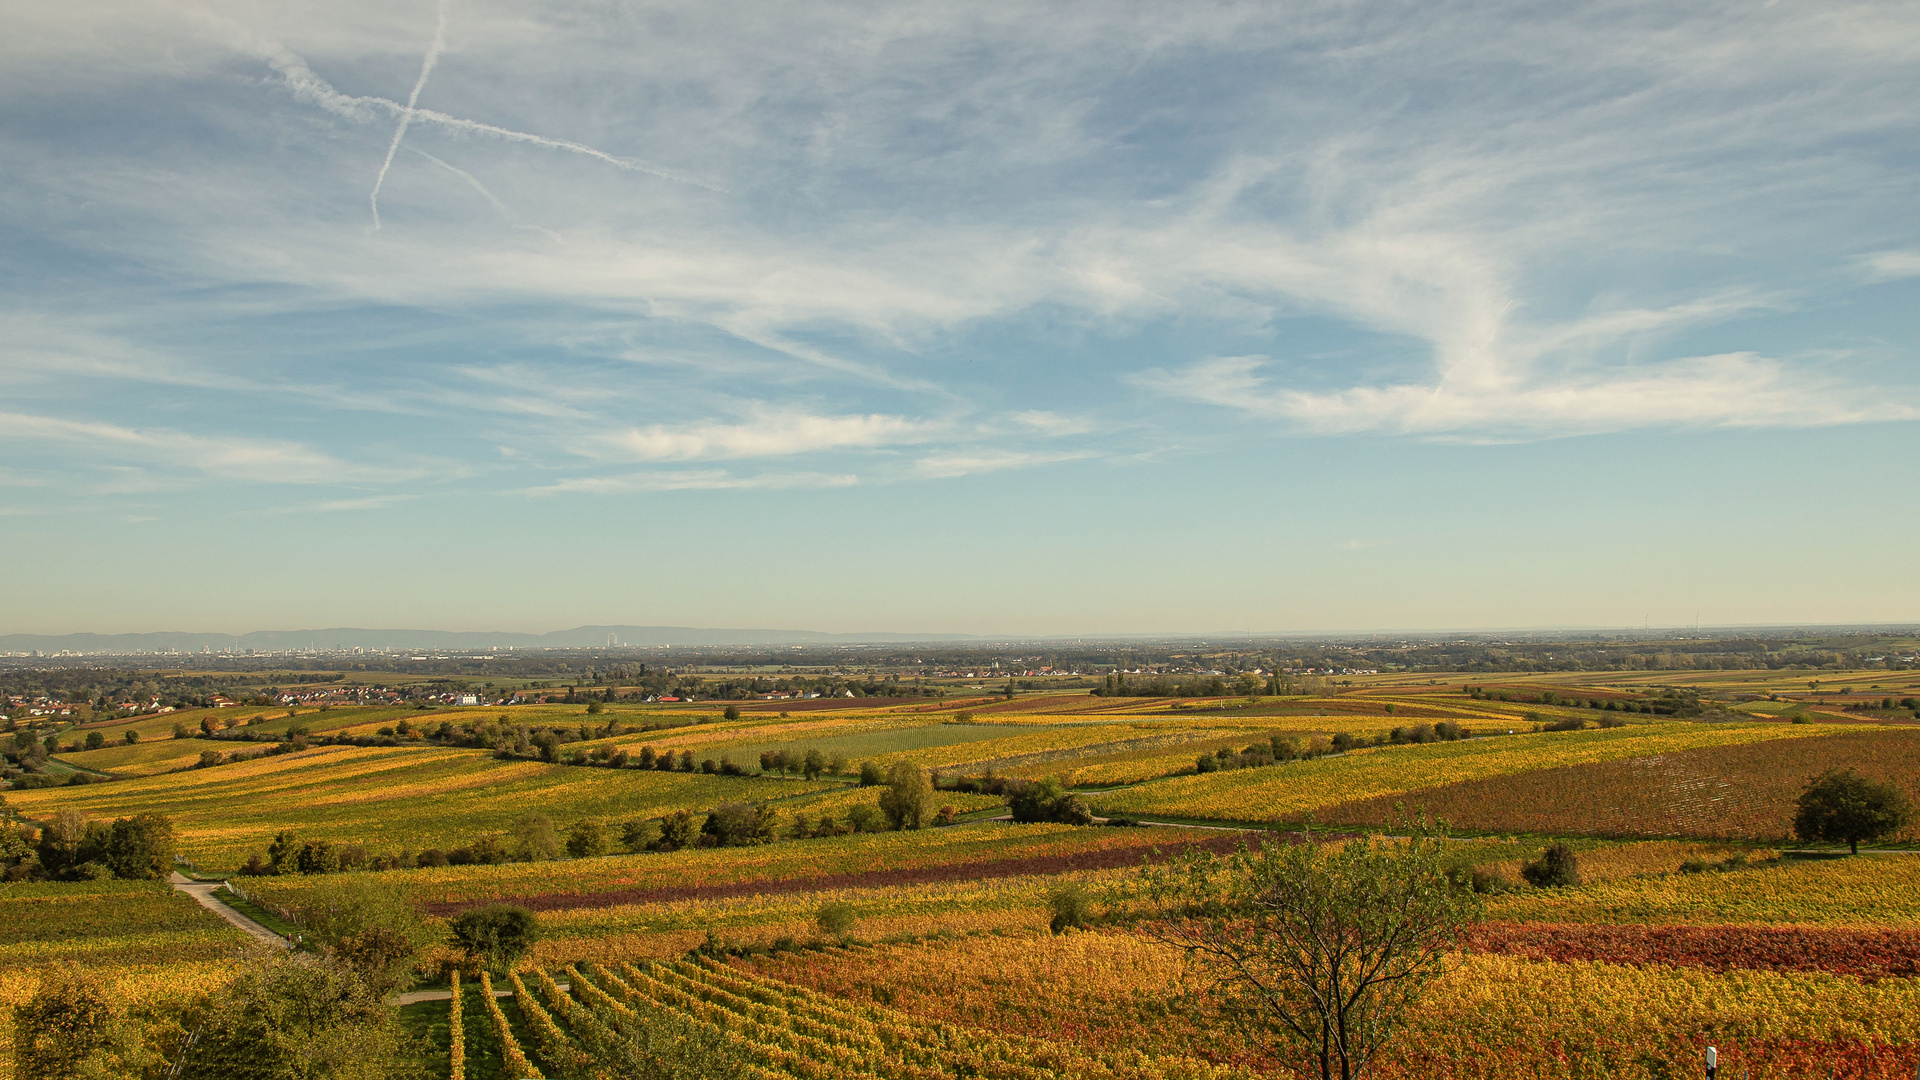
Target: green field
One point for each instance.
(389, 799)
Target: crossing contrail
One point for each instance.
(406, 116)
(301, 80)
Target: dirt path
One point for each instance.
(413, 996)
(203, 892)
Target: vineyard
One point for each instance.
(1737, 791)
(1283, 793)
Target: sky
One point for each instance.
(1040, 318)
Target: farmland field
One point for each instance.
(946, 964)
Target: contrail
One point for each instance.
(305, 85)
(468, 177)
(400, 130)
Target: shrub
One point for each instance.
(1070, 907)
(836, 919)
(731, 712)
(497, 935)
(870, 774)
(1556, 867)
(587, 839)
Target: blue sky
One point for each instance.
(1040, 318)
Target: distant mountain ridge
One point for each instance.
(580, 637)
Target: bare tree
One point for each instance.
(1316, 953)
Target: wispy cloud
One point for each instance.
(334, 506)
(769, 433)
(1733, 390)
(256, 460)
(947, 466)
(693, 480)
(1893, 265)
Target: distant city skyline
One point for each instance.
(1087, 319)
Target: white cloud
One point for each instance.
(946, 466)
(693, 480)
(255, 460)
(1732, 390)
(1893, 265)
(769, 433)
(1053, 423)
(334, 506)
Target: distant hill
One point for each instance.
(580, 637)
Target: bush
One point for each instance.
(1048, 800)
(1555, 868)
(1070, 907)
(587, 839)
(71, 1028)
(836, 919)
(870, 774)
(497, 935)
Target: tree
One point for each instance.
(870, 774)
(813, 765)
(737, 824)
(587, 839)
(369, 926)
(131, 737)
(534, 838)
(678, 830)
(1315, 953)
(71, 1029)
(908, 800)
(731, 712)
(291, 1018)
(1556, 867)
(61, 837)
(1069, 906)
(1048, 800)
(141, 847)
(497, 935)
(1841, 805)
(640, 834)
(283, 853)
(95, 740)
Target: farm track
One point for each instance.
(1037, 864)
(202, 891)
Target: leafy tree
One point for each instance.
(95, 740)
(737, 824)
(283, 853)
(870, 774)
(61, 838)
(141, 847)
(640, 834)
(18, 860)
(1048, 800)
(497, 935)
(71, 1029)
(678, 830)
(1317, 954)
(367, 925)
(813, 765)
(131, 737)
(731, 712)
(317, 857)
(534, 838)
(908, 800)
(291, 1018)
(1556, 867)
(587, 839)
(1840, 805)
